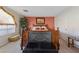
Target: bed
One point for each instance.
(40, 41)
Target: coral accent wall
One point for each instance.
(49, 21)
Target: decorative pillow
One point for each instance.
(39, 28)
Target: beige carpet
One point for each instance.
(65, 49)
(14, 47)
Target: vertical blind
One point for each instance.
(7, 24)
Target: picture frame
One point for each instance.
(40, 20)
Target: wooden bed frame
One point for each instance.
(55, 38)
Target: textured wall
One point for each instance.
(48, 21)
(68, 23)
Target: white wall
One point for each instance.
(68, 22)
(4, 39)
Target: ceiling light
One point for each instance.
(25, 10)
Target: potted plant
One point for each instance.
(24, 23)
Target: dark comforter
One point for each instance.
(39, 47)
(39, 42)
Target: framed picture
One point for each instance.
(40, 20)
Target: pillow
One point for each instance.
(44, 28)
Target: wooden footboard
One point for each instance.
(54, 40)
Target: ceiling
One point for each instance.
(38, 10)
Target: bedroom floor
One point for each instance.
(14, 47)
(65, 49)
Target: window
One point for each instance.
(7, 23)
